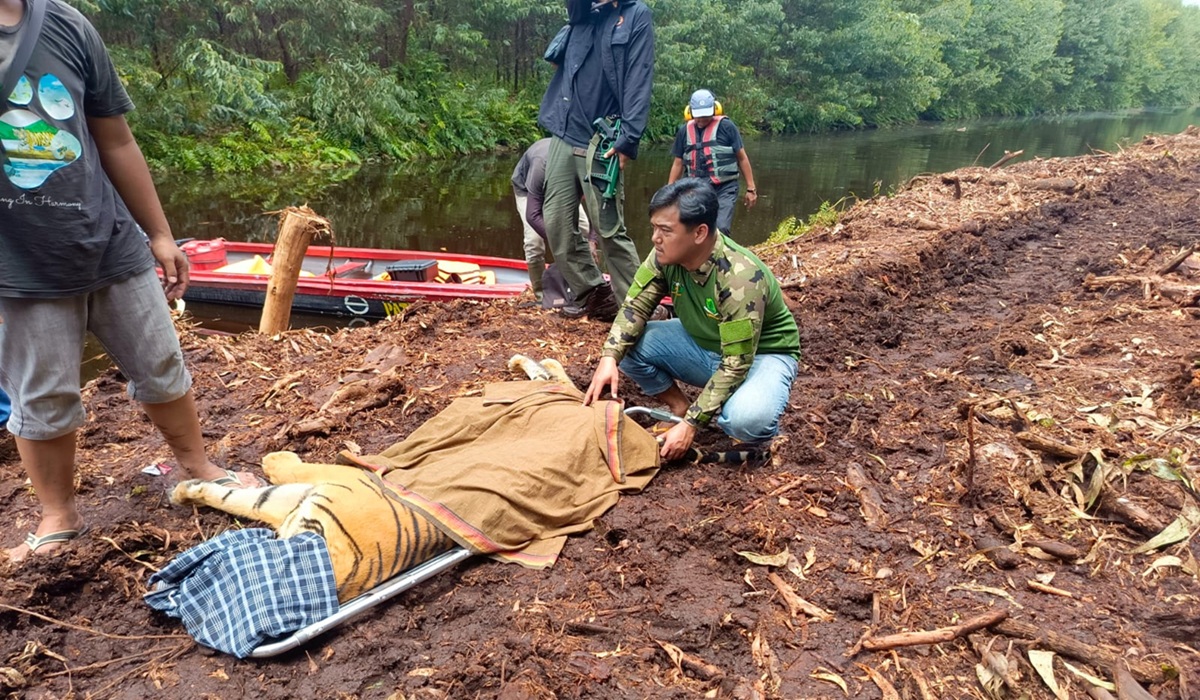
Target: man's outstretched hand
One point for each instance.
(606, 375)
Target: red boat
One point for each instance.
(365, 283)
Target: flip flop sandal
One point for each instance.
(35, 543)
(231, 480)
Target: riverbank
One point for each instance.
(967, 388)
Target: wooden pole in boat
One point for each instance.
(297, 226)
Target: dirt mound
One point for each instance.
(996, 410)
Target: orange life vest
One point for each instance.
(705, 158)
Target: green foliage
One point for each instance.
(254, 146)
(826, 215)
(246, 84)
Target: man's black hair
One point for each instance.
(696, 199)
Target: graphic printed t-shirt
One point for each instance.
(63, 229)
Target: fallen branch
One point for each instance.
(1008, 155)
(868, 496)
(1050, 446)
(1131, 514)
(1052, 590)
(937, 636)
(1075, 649)
(699, 667)
(1056, 549)
(1176, 261)
(795, 603)
(587, 628)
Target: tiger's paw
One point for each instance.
(190, 491)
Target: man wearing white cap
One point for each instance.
(709, 146)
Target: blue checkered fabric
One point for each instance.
(244, 587)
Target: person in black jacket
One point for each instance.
(596, 108)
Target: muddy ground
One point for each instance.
(983, 425)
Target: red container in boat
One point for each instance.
(206, 255)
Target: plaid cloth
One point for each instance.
(243, 587)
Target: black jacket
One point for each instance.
(627, 59)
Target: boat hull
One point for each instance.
(342, 284)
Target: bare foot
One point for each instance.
(49, 524)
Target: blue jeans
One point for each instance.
(666, 353)
(4, 408)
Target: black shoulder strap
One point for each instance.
(29, 38)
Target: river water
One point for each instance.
(465, 205)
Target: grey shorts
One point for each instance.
(41, 349)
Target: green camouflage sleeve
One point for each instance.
(742, 291)
(648, 288)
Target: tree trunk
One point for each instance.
(290, 68)
(296, 231)
(407, 13)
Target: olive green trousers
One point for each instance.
(566, 183)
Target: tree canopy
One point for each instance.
(243, 84)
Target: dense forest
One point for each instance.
(236, 85)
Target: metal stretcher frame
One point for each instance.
(364, 602)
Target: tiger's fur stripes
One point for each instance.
(371, 534)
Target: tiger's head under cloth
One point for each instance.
(370, 533)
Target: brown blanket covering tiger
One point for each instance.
(510, 474)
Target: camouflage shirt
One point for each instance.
(732, 305)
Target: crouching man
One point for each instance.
(733, 334)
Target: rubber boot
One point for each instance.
(536, 270)
(601, 305)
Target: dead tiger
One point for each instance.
(370, 533)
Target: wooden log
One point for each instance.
(297, 226)
(1067, 646)
(1098, 693)
(937, 636)
(1050, 446)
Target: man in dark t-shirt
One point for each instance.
(75, 198)
(709, 146)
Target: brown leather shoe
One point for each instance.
(601, 305)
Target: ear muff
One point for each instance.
(718, 111)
